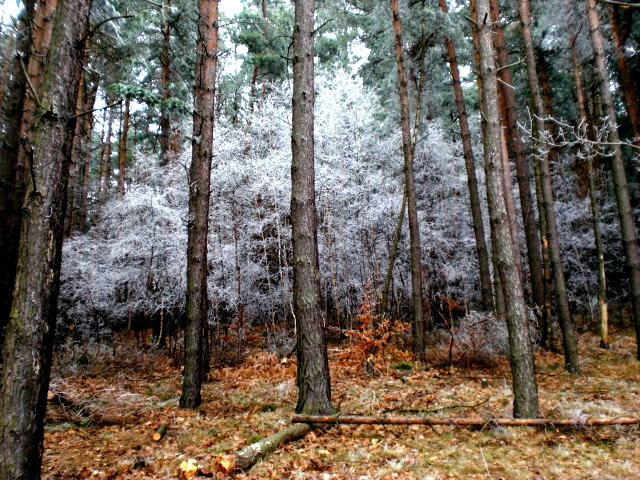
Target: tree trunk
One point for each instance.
(516, 150)
(29, 335)
(196, 358)
(623, 201)
(165, 62)
(10, 197)
(472, 180)
(314, 387)
(627, 82)
(593, 197)
(569, 341)
(414, 227)
(106, 180)
(122, 147)
(521, 353)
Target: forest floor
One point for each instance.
(106, 403)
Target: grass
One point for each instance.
(117, 403)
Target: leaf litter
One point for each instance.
(102, 415)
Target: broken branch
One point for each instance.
(464, 422)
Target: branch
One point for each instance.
(87, 112)
(33, 90)
(95, 28)
(464, 421)
(620, 4)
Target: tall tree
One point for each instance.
(410, 188)
(30, 331)
(521, 353)
(314, 386)
(569, 341)
(623, 200)
(472, 180)
(196, 357)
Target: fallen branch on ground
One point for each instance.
(251, 454)
(463, 422)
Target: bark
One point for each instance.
(521, 353)
(593, 198)
(165, 63)
(414, 227)
(122, 147)
(627, 82)
(623, 201)
(569, 341)
(30, 331)
(472, 181)
(252, 454)
(160, 432)
(516, 151)
(314, 387)
(196, 355)
(10, 197)
(463, 421)
(106, 180)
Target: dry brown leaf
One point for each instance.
(226, 463)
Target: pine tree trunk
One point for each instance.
(10, 197)
(165, 62)
(122, 147)
(626, 75)
(516, 150)
(414, 227)
(569, 341)
(196, 359)
(314, 387)
(623, 201)
(593, 197)
(30, 331)
(521, 352)
(472, 180)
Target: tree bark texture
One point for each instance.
(122, 146)
(314, 386)
(414, 227)
(30, 331)
(623, 200)
(196, 358)
(521, 351)
(10, 199)
(569, 340)
(482, 251)
(516, 150)
(462, 421)
(627, 81)
(165, 63)
(593, 198)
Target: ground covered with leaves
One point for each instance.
(105, 404)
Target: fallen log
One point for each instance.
(464, 421)
(159, 433)
(252, 454)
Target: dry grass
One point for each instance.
(116, 404)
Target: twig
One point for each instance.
(33, 90)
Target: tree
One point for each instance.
(196, 358)
(521, 353)
(31, 327)
(472, 180)
(314, 384)
(623, 201)
(407, 151)
(569, 341)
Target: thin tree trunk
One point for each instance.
(516, 150)
(314, 386)
(482, 251)
(122, 147)
(196, 358)
(414, 227)
(593, 197)
(623, 201)
(30, 331)
(107, 155)
(165, 63)
(521, 354)
(569, 341)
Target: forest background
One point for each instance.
(124, 257)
